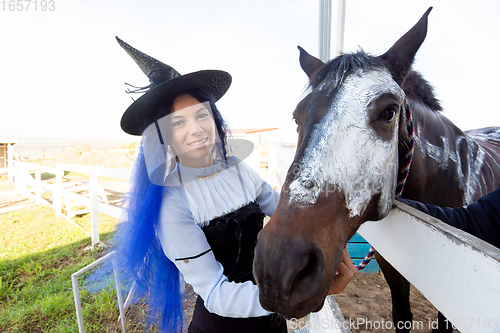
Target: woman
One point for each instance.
(193, 210)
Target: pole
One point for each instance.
(78, 303)
(340, 27)
(325, 24)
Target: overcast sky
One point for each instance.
(62, 73)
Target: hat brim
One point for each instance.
(141, 112)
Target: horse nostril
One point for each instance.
(311, 262)
(307, 274)
(309, 184)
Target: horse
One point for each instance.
(353, 140)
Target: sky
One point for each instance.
(62, 73)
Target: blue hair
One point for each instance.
(140, 257)
(138, 252)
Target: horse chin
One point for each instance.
(297, 311)
(378, 208)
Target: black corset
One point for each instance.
(233, 237)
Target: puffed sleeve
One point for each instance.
(185, 244)
(266, 196)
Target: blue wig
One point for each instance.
(138, 252)
(140, 257)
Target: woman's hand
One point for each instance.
(345, 274)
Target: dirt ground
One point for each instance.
(365, 303)
(367, 299)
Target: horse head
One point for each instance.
(351, 125)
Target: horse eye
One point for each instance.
(387, 114)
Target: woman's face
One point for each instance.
(192, 131)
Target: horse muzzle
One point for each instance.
(289, 275)
(298, 253)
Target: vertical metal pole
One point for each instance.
(78, 303)
(340, 27)
(129, 298)
(325, 24)
(119, 295)
(94, 210)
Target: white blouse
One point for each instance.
(207, 193)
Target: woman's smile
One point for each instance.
(199, 142)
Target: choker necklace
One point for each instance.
(207, 176)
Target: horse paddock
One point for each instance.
(366, 305)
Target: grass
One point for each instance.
(38, 254)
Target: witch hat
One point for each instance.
(165, 82)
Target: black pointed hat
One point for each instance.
(165, 82)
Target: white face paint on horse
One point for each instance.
(346, 153)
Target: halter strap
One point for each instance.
(402, 176)
(405, 168)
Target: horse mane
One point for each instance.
(337, 69)
(416, 87)
(342, 66)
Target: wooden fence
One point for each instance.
(458, 273)
(69, 194)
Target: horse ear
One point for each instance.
(309, 63)
(400, 56)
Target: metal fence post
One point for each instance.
(325, 23)
(78, 303)
(119, 295)
(340, 27)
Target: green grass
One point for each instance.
(38, 254)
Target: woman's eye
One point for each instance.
(387, 114)
(178, 123)
(202, 115)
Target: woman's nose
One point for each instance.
(194, 128)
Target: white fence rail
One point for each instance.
(25, 183)
(91, 201)
(458, 273)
